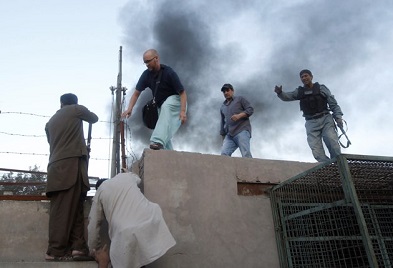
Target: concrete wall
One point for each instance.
(24, 235)
(23, 230)
(212, 224)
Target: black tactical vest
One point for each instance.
(311, 100)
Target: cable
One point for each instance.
(344, 133)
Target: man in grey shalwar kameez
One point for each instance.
(136, 227)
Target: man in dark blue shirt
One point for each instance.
(170, 97)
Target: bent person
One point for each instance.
(136, 227)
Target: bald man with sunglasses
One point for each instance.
(171, 99)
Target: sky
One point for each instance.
(54, 47)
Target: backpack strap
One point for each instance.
(157, 84)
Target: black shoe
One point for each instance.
(156, 146)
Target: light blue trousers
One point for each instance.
(322, 129)
(241, 141)
(168, 122)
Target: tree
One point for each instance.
(32, 182)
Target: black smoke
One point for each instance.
(253, 45)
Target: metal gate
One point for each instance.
(338, 214)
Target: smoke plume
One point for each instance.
(254, 46)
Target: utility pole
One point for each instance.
(115, 160)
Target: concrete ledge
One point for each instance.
(48, 264)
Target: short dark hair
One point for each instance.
(305, 71)
(99, 182)
(68, 99)
(226, 86)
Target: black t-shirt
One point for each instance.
(170, 83)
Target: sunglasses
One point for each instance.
(148, 61)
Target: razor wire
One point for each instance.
(128, 135)
(24, 135)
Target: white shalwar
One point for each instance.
(136, 227)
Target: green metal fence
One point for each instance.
(338, 214)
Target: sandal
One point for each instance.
(58, 259)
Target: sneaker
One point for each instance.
(156, 146)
